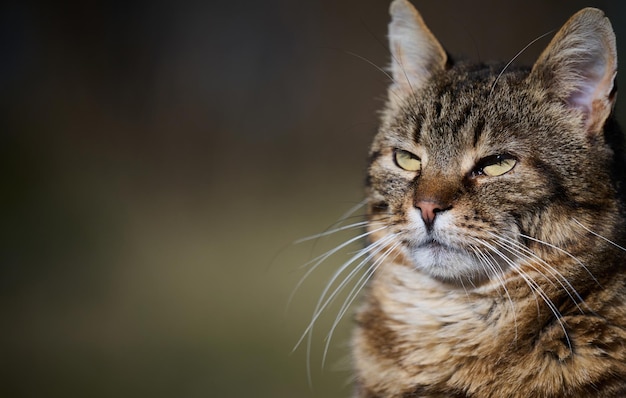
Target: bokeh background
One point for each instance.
(158, 159)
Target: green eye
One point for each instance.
(498, 165)
(407, 161)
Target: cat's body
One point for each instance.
(495, 213)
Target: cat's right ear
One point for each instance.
(416, 53)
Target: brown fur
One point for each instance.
(517, 289)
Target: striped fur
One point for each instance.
(507, 285)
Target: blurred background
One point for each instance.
(158, 159)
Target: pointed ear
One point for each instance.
(579, 66)
(416, 53)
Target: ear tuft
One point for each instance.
(416, 52)
(579, 66)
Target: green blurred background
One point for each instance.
(158, 159)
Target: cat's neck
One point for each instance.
(413, 328)
(414, 298)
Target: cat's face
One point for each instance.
(471, 169)
(460, 172)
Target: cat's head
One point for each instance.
(473, 165)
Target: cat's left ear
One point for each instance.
(579, 66)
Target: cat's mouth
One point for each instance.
(443, 261)
(434, 244)
(436, 247)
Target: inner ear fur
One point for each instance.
(579, 66)
(416, 53)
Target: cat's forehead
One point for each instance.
(460, 110)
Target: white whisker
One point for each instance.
(359, 285)
(371, 63)
(521, 251)
(321, 258)
(564, 252)
(514, 58)
(598, 235)
(487, 260)
(331, 231)
(534, 287)
(324, 301)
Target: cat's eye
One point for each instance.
(494, 166)
(407, 161)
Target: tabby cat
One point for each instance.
(496, 223)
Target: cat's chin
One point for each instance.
(447, 263)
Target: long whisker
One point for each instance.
(331, 231)
(319, 259)
(512, 265)
(344, 217)
(354, 293)
(348, 214)
(406, 77)
(371, 63)
(598, 235)
(496, 270)
(353, 209)
(521, 251)
(378, 68)
(374, 248)
(534, 286)
(564, 252)
(323, 257)
(514, 58)
(324, 301)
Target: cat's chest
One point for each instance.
(418, 302)
(415, 332)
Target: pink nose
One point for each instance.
(429, 210)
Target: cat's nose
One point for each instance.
(429, 210)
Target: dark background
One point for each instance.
(158, 159)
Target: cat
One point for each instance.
(495, 223)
